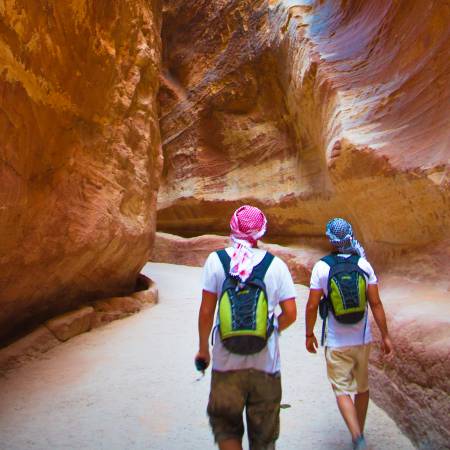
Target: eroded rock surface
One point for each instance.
(73, 323)
(193, 251)
(414, 386)
(80, 153)
(309, 111)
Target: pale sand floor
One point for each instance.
(131, 385)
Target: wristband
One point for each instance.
(309, 335)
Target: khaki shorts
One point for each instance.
(348, 368)
(255, 391)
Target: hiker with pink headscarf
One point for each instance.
(245, 285)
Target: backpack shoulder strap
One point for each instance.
(354, 259)
(336, 265)
(225, 260)
(345, 265)
(331, 259)
(260, 270)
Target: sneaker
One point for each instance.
(360, 443)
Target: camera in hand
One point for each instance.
(200, 364)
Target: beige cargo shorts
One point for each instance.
(348, 368)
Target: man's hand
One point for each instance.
(310, 319)
(380, 318)
(204, 355)
(311, 344)
(387, 346)
(205, 322)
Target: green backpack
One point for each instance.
(243, 311)
(347, 298)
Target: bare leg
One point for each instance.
(348, 411)
(230, 444)
(361, 404)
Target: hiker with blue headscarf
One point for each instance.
(343, 285)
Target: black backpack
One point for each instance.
(347, 295)
(243, 312)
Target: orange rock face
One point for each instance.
(308, 109)
(413, 387)
(193, 251)
(80, 152)
(308, 112)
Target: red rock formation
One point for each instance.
(70, 324)
(310, 112)
(311, 109)
(308, 109)
(80, 157)
(415, 385)
(173, 249)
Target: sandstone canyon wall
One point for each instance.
(311, 109)
(80, 154)
(308, 109)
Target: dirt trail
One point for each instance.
(131, 385)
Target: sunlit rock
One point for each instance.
(80, 152)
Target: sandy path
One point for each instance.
(130, 385)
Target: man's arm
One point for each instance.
(288, 314)
(310, 318)
(380, 317)
(205, 323)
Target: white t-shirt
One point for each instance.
(279, 287)
(340, 334)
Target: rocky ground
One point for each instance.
(131, 385)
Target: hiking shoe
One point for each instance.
(360, 443)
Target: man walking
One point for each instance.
(345, 279)
(245, 358)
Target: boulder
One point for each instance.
(34, 344)
(71, 323)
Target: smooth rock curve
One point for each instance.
(80, 158)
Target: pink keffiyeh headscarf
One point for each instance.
(248, 224)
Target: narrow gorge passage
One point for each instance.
(131, 385)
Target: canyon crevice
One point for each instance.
(309, 112)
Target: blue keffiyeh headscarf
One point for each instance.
(340, 234)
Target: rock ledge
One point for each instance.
(68, 325)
